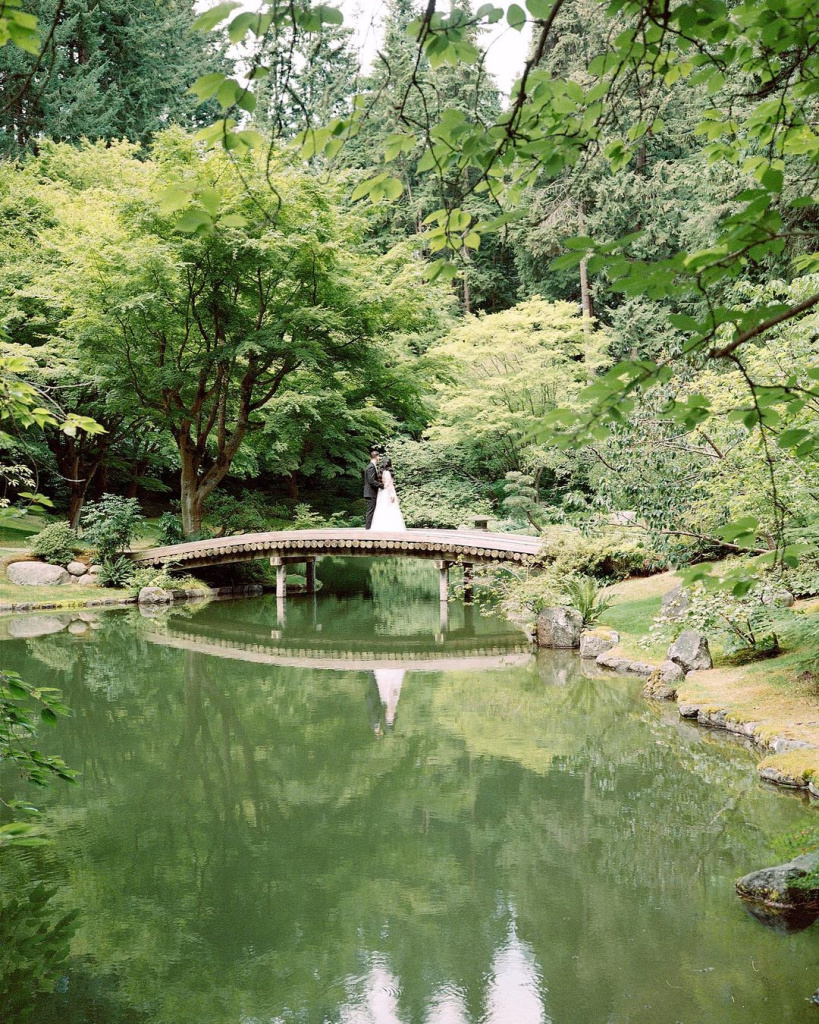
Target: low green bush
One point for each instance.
(169, 529)
(609, 555)
(149, 576)
(55, 543)
(110, 525)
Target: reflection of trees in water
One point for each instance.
(243, 846)
(35, 931)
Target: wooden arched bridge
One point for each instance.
(289, 547)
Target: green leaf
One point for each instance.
(241, 24)
(210, 19)
(232, 220)
(516, 16)
(539, 8)
(330, 15)
(741, 530)
(193, 219)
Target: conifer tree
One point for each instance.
(109, 69)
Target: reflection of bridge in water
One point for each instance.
(386, 658)
(480, 653)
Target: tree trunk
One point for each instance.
(293, 486)
(190, 496)
(139, 469)
(76, 502)
(585, 294)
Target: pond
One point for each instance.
(365, 815)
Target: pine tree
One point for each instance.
(110, 69)
(309, 84)
(404, 93)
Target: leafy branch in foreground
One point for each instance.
(24, 707)
(746, 74)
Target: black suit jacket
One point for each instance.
(372, 481)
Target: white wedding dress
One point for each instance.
(388, 515)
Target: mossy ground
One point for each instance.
(781, 694)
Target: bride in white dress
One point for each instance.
(388, 515)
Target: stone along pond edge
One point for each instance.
(785, 896)
(170, 597)
(687, 658)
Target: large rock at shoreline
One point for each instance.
(88, 580)
(690, 651)
(38, 574)
(154, 595)
(616, 662)
(663, 682)
(795, 884)
(26, 627)
(594, 642)
(77, 568)
(559, 627)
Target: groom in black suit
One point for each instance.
(372, 484)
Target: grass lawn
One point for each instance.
(635, 603)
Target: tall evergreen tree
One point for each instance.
(312, 80)
(404, 90)
(109, 69)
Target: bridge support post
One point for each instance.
(281, 582)
(443, 580)
(310, 575)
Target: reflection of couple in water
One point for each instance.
(383, 704)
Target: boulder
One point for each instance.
(794, 884)
(559, 627)
(594, 642)
(88, 580)
(640, 668)
(613, 661)
(675, 603)
(663, 682)
(78, 627)
(37, 574)
(690, 651)
(77, 568)
(154, 595)
(26, 627)
(779, 598)
(94, 568)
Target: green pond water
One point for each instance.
(366, 815)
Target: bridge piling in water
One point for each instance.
(443, 580)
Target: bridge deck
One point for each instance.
(472, 546)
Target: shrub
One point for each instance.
(169, 528)
(229, 515)
(743, 625)
(308, 519)
(110, 525)
(609, 555)
(55, 543)
(116, 572)
(149, 576)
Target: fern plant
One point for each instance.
(586, 596)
